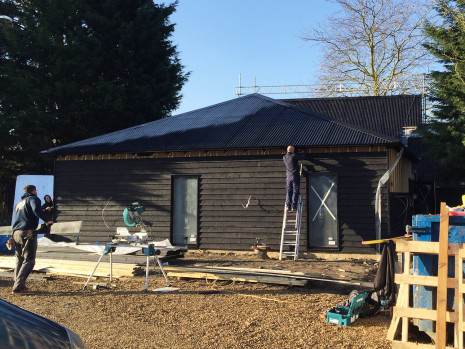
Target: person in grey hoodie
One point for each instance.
(27, 214)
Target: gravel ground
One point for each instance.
(207, 314)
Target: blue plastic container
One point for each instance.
(426, 228)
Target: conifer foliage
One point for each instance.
(73, 69)
(446, 130)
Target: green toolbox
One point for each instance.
(341, 315)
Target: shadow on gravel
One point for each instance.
(314, 288)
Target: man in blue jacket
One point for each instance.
(291, 160)
(27, 214)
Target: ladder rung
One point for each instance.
(291, 231)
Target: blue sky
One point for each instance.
(219, 39)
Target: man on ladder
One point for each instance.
(290, 234)
(291, 160)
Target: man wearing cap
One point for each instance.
(27, 214)
(291, 160)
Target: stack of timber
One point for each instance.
(73, 268)
(238, 274)
(269, 276)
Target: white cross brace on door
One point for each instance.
(323, 202)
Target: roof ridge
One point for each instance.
(355, 97)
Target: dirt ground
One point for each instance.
(207, 314)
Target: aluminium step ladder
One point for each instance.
(290, 234)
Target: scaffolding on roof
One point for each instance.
(414, 84)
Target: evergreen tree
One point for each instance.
(74, 69)
(446, 131)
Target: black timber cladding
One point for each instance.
(383, 114)
(248, 122)
(96, 191)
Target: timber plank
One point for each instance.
(239, 278)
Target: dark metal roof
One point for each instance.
(252, 121)
(383, 114)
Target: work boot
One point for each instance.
(24, 291)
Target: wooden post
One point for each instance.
(405, 297)
(458, 338)
(441, 302)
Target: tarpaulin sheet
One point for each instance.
(3, 240)
(122, 248)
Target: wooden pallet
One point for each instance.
(402, 311)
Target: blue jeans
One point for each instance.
(292, 189)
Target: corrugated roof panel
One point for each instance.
(382, 114)
(246, 122)
(257, 126)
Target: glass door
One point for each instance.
(185, 210)
(323, 224)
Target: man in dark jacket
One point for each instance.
(27, 214)
(291, 160)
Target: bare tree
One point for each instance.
(371, 44)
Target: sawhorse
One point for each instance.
(148, 251)
(151, 251)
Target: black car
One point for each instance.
(20, 328)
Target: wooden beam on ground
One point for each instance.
(238, 277)
(256, 273)
(412, 345)
(255, 270)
